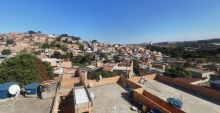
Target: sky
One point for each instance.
(115, 21)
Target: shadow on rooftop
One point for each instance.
(190, 92)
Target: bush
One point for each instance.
(24, 68)
(6, 52)
(178, 72)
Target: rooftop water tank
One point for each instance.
(4, 94)
(31, 89)
(215, 83)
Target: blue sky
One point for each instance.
(115, 21)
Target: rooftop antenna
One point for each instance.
(14, 90)
(100, 77)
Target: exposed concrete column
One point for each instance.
(83, 75)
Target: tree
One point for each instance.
(49, 69)
(136, 67)
(39, 32)
(31, 32)
(57, 54)
(81, 47)
(37, 52)
(23, 68)
(6, 52)
(103, 55)
(10, 41)
(64, 35)
(187, 64)
(78, 59)
(65, 41)
(58, 39)
(116, 58)
(63, 48)
(178, 72)
(106, 61)
(45, 45)
(88, 57)
(94, 41)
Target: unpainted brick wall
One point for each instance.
(148, 77)
(148, 102)
(104, 81)
(163, 103)
(129, 83)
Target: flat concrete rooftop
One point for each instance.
(25, 105)
(192, 102)
(110, 99)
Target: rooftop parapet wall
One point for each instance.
(148, 77)
(129, 83)
(148, 102)
(200, 90)
(163, 103)
(104, 81)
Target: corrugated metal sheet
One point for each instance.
(81, 96)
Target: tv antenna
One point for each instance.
(14, 89)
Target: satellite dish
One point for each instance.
(100, 76)
(91, 84)
(13, 89)
(92, 95)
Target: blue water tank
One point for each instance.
(4, 89)
(31, 89)
(215, 83)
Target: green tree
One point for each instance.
(177, 72)
(49, 69)
(45, 45)
(103, 55)
(187, 64)
(10, 41)
(63, 48)
(116, 58)
(136, 67)
(81, 47)
(65, 41)
(64, 35)
(31, 32)
(23, 68)
(106, 61)
(6, 52)
(94, 41)
(37, 52)
(88, 57)
(57, 54)
(78, 59)
(58, 39)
